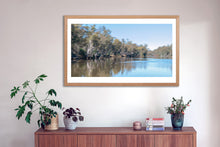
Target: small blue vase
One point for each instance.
(177, 121)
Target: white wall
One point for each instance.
(31, 43)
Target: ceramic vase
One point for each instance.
(177, 121)
(69, 123)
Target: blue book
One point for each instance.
(155, 129)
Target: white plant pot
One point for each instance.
(69, 123)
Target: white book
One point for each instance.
(155, 123)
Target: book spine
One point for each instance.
(155, 123)
(155, 129)
(162, 119)
(155, 126)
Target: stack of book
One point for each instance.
(155, 124)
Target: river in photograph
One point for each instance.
(122, 67)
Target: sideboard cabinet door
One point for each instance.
(57, 141)
(145, 140)
(173, 141)
(96, 140)
(126, 140)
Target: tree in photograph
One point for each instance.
(88, 42)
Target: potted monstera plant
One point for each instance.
(71, 118)
(30, 102)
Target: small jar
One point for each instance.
(137, 125)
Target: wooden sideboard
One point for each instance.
(115, 137)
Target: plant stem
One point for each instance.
(43, 100)
(36, 104)
(35, 88)
(25, 91)
(35, 97)
(30, 97)
(46, 99)
(35, 109)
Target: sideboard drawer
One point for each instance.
(126, 141)
(173, 141)
(145, 140)
(57, 141)
(96, 140)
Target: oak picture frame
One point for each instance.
(67, 82)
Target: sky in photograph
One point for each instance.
(154, 35)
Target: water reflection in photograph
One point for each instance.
(122, 67)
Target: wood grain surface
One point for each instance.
(96, 140)
(115, 137)
(173, 141)
(145, 141)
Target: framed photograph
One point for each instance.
(121, 50)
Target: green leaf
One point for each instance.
(51, 92)
(20, 112)
(28, 117)
(55, 103)
(30, 106)
(37, 81)
(59, 104)
(14, 91)
(27, 102)
(38, 122)
(40, 78)
(49, 121)
(24, 97)
(42, 121)
(25, 84)
(52, 102)
(32, 101)
(42, 125)
(189, 102)
(12, 94)
(43, 76)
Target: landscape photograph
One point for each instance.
(121, 50)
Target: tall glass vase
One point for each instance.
(177, 121)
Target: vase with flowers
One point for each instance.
(176, 110)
